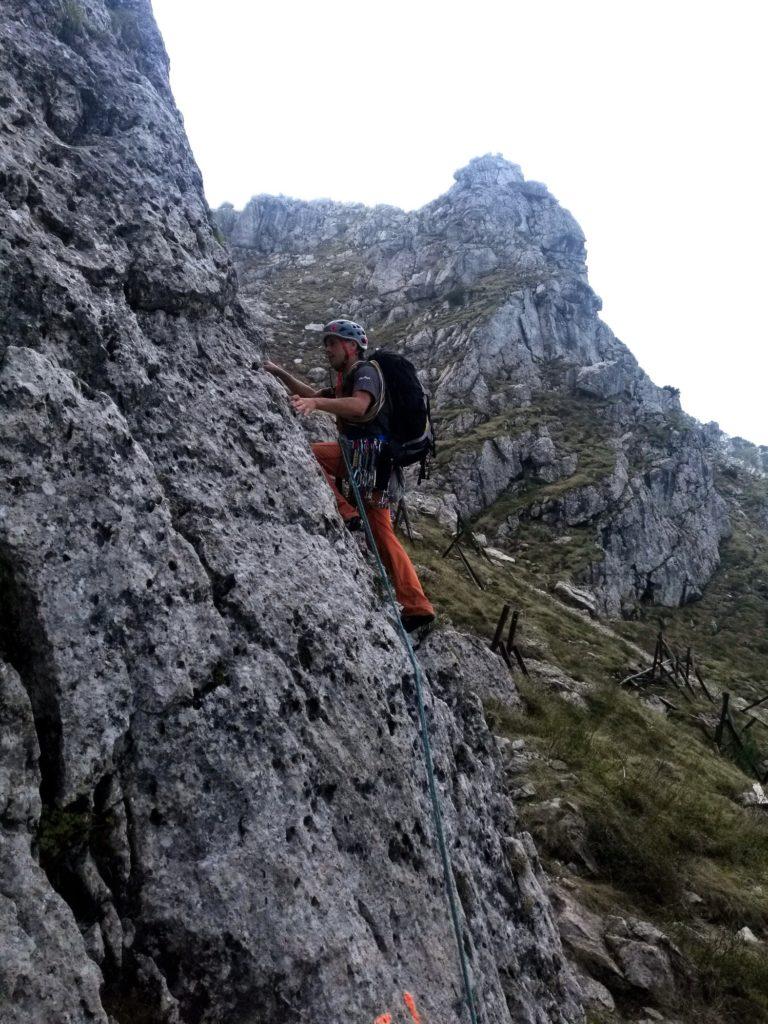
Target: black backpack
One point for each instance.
(410, 422)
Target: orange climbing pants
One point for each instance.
(393, 555)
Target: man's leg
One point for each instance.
(398, 564)
(328, 454)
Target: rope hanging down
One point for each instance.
(450, 884)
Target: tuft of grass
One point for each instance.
(62, 831)
(732, 976)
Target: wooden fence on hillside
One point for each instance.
(670, 668)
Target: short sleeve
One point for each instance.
(367, 379)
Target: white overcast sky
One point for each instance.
(645, 119)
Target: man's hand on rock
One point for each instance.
(270, 367)
(303, 406)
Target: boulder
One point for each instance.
(649, 961)
(560, 828)
(577, 597)
(754, 797)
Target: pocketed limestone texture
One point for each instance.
(227, 819)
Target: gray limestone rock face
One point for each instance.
(628, 956)
(450, 655)
(662, 544)
(649, 960)
(578, 597)
(45, 973)
(480, 476)
(101, 579)
(235, 822)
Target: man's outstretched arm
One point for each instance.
(294, 385)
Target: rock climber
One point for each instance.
(359, 403)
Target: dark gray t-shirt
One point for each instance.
(363, 377)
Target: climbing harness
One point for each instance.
(450, 884)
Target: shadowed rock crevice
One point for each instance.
(23, 645)
(76, 841)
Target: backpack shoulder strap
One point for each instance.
(375, 406)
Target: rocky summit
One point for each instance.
(213, 799)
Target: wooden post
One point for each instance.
(673, 658)
(508, 649)
(500, 627)
(460, 529)
(505, 655)
(702, 684)
(754, 704)
(723, 720)
(685, 671)
(512, 629)
(478, 582)
(742, 748)
(656, 657)
(519, 659)
(637, 675)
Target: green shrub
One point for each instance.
(62, 831)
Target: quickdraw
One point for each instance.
(364, 455)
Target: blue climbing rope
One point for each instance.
(450, 884)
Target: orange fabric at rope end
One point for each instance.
(384, 1018)
(411, 1004)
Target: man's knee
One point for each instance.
(322, 450)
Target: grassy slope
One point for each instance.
(657, 799)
